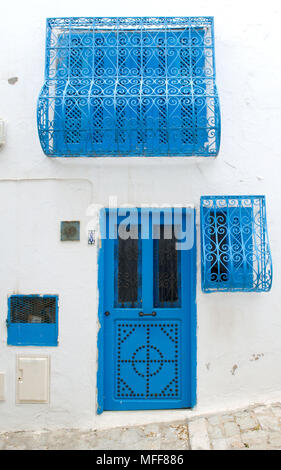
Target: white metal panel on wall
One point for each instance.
(33, 379)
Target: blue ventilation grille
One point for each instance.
(129, 87)
(32, 320)
(235, 251)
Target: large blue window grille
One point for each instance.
(32, 320)
(235, 251)
(129, 87)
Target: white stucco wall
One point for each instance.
(232, 327)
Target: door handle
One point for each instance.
(152, 314)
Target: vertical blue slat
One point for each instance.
(193, 319)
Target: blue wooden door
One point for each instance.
(147, 344)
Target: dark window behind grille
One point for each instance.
(219, 249)
(32, 309)
(166, 271)
(128, 271)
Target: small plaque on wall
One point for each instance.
(70, 231)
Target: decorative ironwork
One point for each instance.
(129, 87)
(235, 251)
(148, 360)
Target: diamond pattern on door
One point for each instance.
(148, 360)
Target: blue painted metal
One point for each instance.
(32, 320)
(100, 343)
(146, 362)
(235, 253)
(129, 87)
(193, 320)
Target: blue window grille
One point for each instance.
(235, 251)
(129, 87)
(32, 320)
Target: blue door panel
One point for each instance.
(148, 361)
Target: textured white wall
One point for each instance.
(232, 327)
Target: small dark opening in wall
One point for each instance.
(32, 309)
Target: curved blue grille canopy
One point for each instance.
(235, 253)
(129, 87)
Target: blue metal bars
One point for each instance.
(235, 253)
(129, 87)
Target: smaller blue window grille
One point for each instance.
(32, 320)
(129, 87)
(235, 251)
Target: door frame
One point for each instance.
(100, 335)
